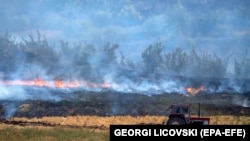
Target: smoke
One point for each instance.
(214, 25)
(74, 48)
(239, 101)
(13, 93)
(10, 109)
(145, 86)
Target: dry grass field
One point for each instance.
(87, 128)
(104, 122)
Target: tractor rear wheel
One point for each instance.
(175, 121)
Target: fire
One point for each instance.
(58, 84)
(38, 82)
(69, 84)
(194, 91)
(65, 84)
(105, 85)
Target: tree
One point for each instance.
(152, 57)
(176, 61)
(241, 68)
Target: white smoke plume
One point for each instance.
(199, 52)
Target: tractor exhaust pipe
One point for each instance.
(199, 109)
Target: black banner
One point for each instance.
(194, 132)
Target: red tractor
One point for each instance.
(180, 115)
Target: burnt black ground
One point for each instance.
(108, 103)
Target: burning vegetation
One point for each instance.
(194, 91)
(83, 79)
(38, 82)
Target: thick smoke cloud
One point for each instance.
(209, 25)
(148, 47)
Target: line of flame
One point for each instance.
(54, 83)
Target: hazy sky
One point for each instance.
(221, 25)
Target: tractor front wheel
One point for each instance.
(175, 121)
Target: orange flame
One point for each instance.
(58, 84)
(105, 85)
(194, 91)
(38, 82)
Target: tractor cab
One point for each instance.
(180, 115)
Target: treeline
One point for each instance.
(184, 63)
(35, 57)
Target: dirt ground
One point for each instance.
(94, 121)
(105, 122)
